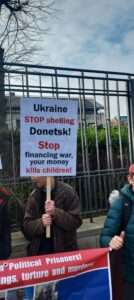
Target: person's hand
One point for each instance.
(50, 207)
(117, 241)
(46, 219)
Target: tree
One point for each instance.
(22, 25)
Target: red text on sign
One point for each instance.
(46, 145)
(31, 119)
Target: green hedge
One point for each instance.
(10, 143)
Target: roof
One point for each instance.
(89, 103)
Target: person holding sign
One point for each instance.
(5, 225)
(62, 212)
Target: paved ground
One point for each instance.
(97, 223)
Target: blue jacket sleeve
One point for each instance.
(112, 223)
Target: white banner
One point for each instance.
(48, 137)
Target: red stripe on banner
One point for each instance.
(34, 270)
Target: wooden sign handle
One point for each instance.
(48, 198)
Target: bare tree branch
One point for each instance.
(23, 23)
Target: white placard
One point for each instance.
(0, 163)
(48, 137)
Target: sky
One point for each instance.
(92, 34)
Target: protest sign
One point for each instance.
(85, 272)
(48, 137)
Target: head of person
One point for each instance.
(131, 175)
(41, 181)
(20, 293)
(47, 291)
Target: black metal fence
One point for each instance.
(101, 184)
(106, 101)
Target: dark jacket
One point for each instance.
(112, 227)
(5, 228)
(65, 220)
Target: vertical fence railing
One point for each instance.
(93, 182)
(131, 109)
